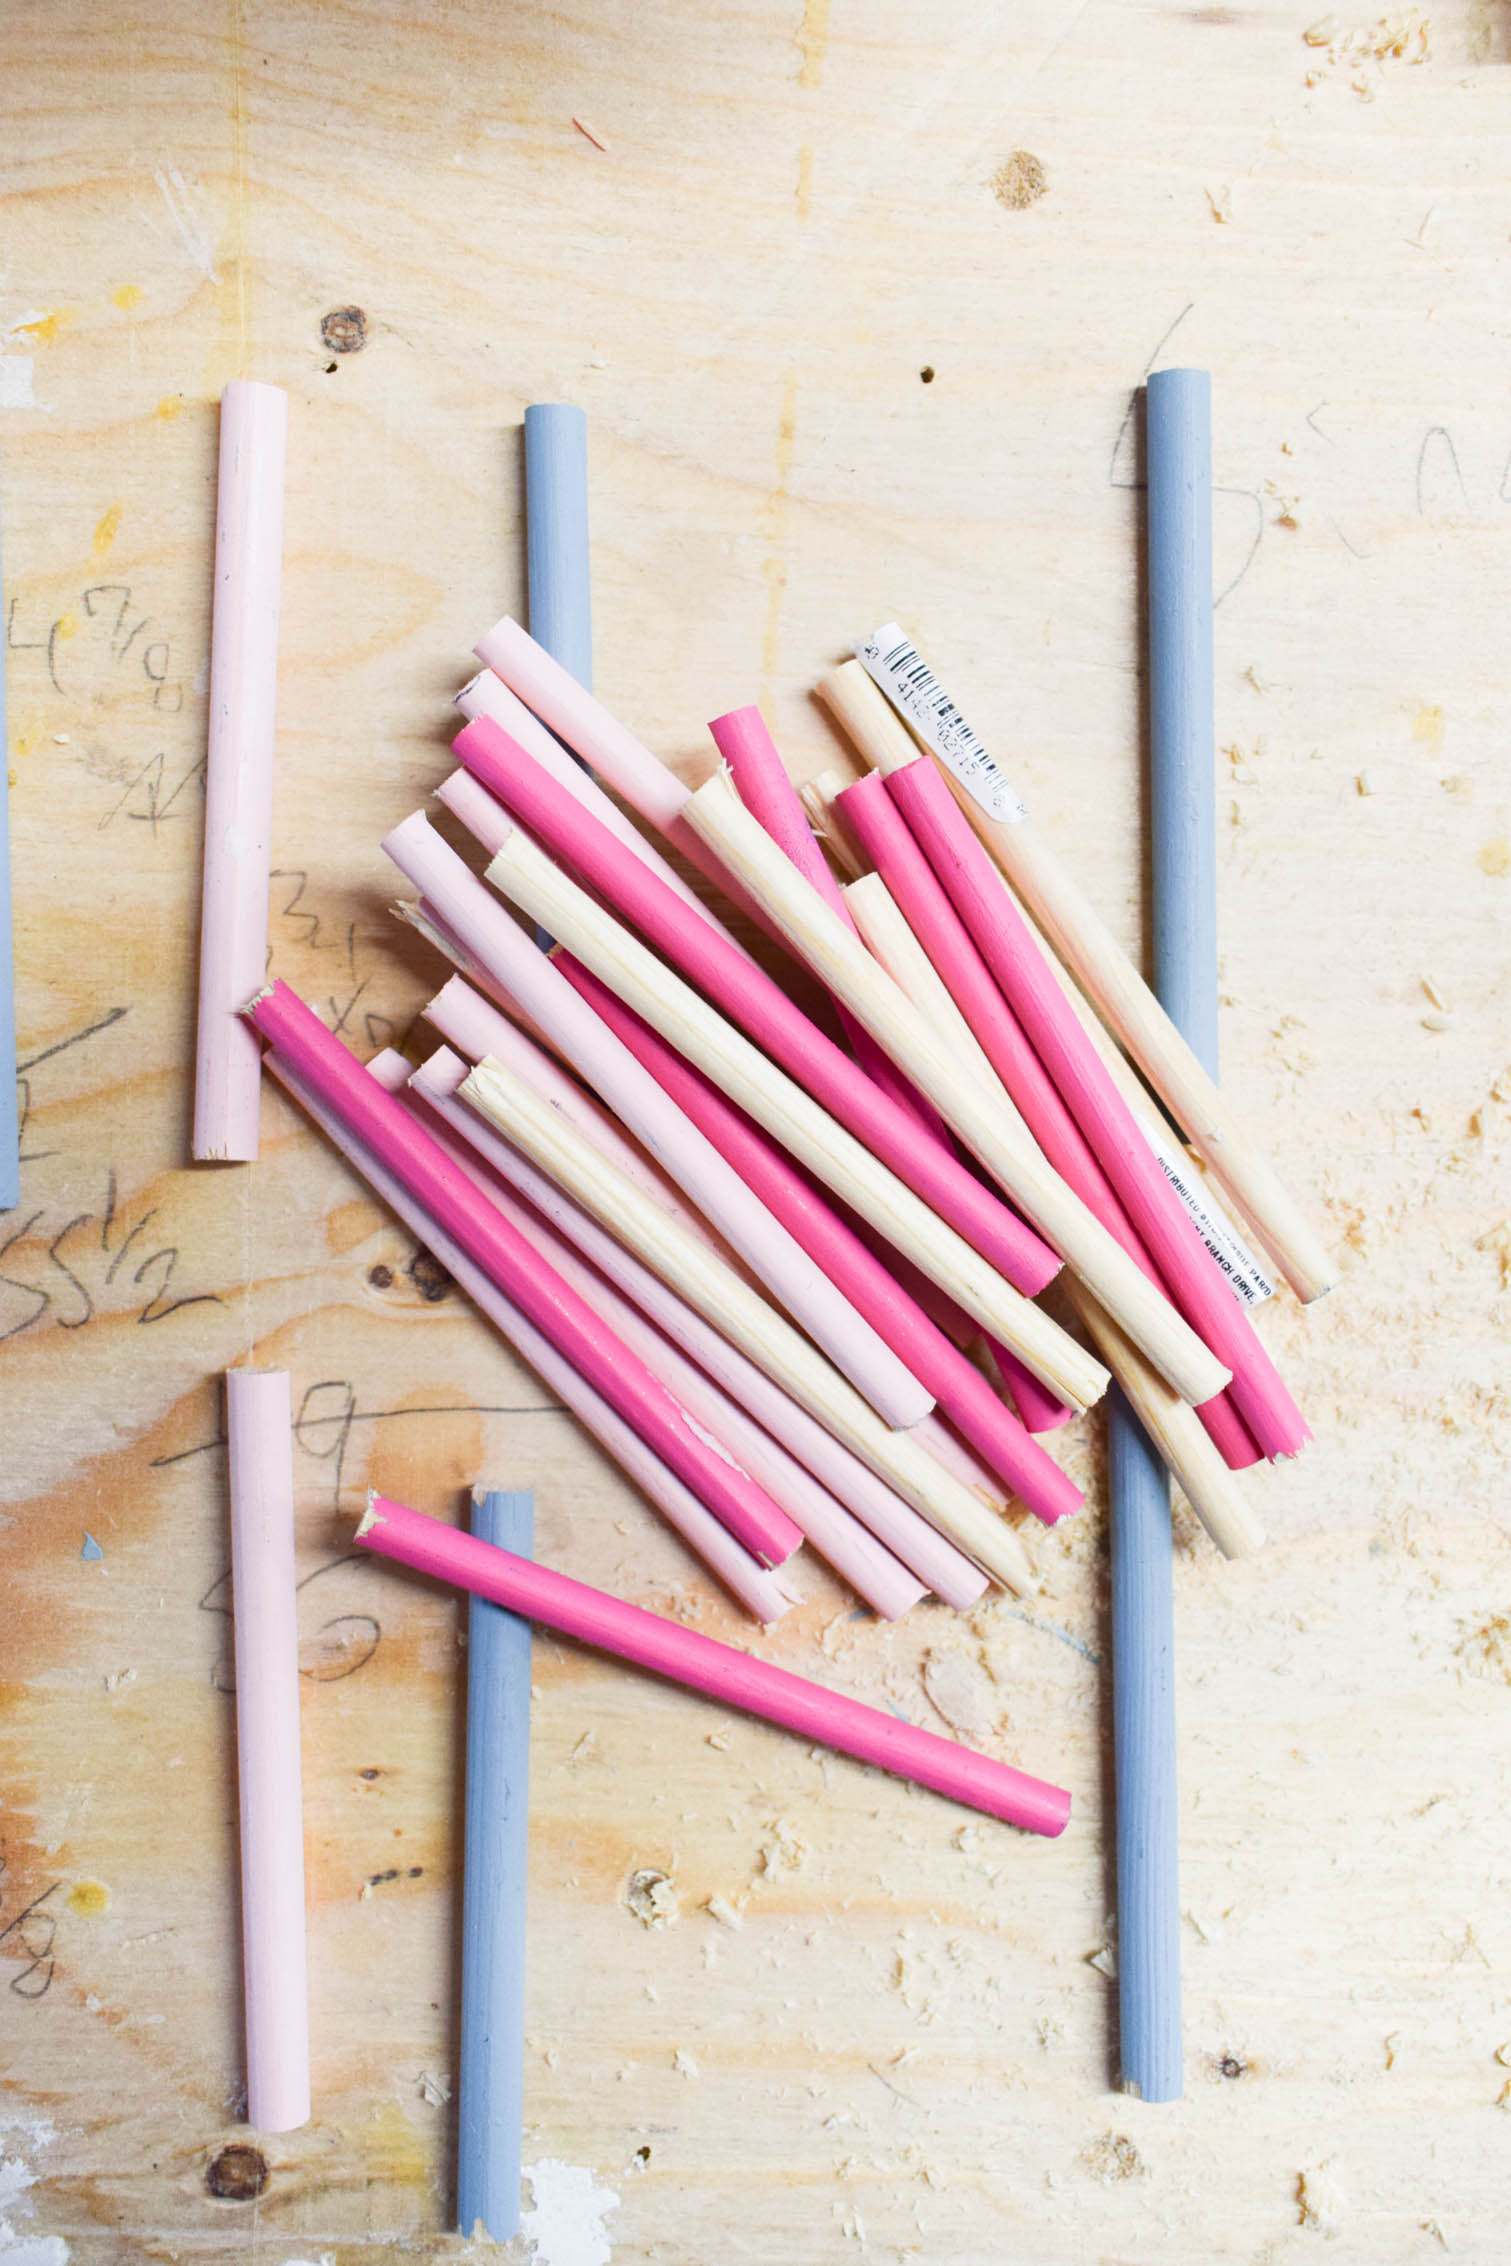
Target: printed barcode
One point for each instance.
(895, 664)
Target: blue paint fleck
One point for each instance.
(91, 1548)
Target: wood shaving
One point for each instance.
(684, 2064)
(1220, 203)
(784, 1851)
(435, 2090)
(1019, 183)
(719, 1908)
(1322, 2202)
(1114, 2158)
(652, 1897)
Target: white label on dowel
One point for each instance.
(890, 658)
(1246, 1279)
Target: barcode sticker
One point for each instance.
(890, 658)
(1246, 1279)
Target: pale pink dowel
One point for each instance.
(909, 1536)
(761, 780)
(960, 1389)
(638, 778)
(850, 1548)
(260, 1450)
(1169, 1235)
(475, 1027)
(879, 826)
(668, 1649)
(765, 1596)
(759, 1006)
(775, 1257)
(390, 1131)
(488, 695)
(233, 923)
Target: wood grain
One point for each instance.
(903, 2050)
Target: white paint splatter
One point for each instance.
(186, 213)
(566, 2222)
(16, 391)
(17, 2175)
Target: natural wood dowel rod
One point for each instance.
(818, 800)
(1178, 1434)
(714, 1291)
(530, 880)
(822, 941)
(1117, 990)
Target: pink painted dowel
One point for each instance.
(962, 1392)
(854, 1553)
(638, 778)
(879, 826)
(773, 1255)
(233, 930)
(765, 1596)
(487, 695)
(760, 1007)
(1038, 1409)
(909, 1536)
(760, 777)
(390, 1131)
(260, 1449)
(1166, 1230)
(733, 1678)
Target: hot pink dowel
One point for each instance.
(1166, 1230)
(883, 833)
(390, 1131)
(259, 1442)
(733, 1678)
(233, 928)
(758, 1006)
(962, 1392)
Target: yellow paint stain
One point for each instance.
(169, 407)
(25, 742)
(66, 625)
(804, 181)
(774, 529)
(812, 39)
(1495, 857)
(394, 2147)
(105, 534)
(127, 295)
(1428, 726)
(45, 329)
(89, 1897)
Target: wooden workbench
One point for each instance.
(855, 299)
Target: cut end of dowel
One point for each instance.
(257, 999)
(371, 1515)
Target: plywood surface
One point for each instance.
(903, 2048)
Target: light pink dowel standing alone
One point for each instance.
(233, 929)
(735, 1678)
(260, 1443)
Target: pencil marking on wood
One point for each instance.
(185, 211)
(1440, 480)
(1117, 476)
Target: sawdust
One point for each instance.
(1364, 52)
(1019, 183)
(684, 2063)
(1486, 1651)
(1498, 1240)
(961, 1693)
(652, 1897)
(783, 1851)
(1322, 2202)
(719, 1908)
(1114, 2158)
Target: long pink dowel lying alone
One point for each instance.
(760, 776)
(766, 1596)
(883, 833)
(854, 1553)
(907, 1534)
(733, 1678)
(259, 1441)
(390, 1131)
(233, 933)
(760, 1008)
(962, 1392)
(486, 694)
(1159, 1218)
(774, 1256)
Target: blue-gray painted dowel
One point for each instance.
(494, 1869)
(10, 1142)
(1183, 792)
(556, 531)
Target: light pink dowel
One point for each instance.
(761, 780)
(759, 1006)
(775, 1257)
(960, 1389)
(233, 923)
(668, 1649)
(854, 1553)
(935, 1561)
(883, 833)
(1162, 1223)
(390, 1131)
(260, 1451)
(765, 1596)
(487, 695)
(638, 778)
